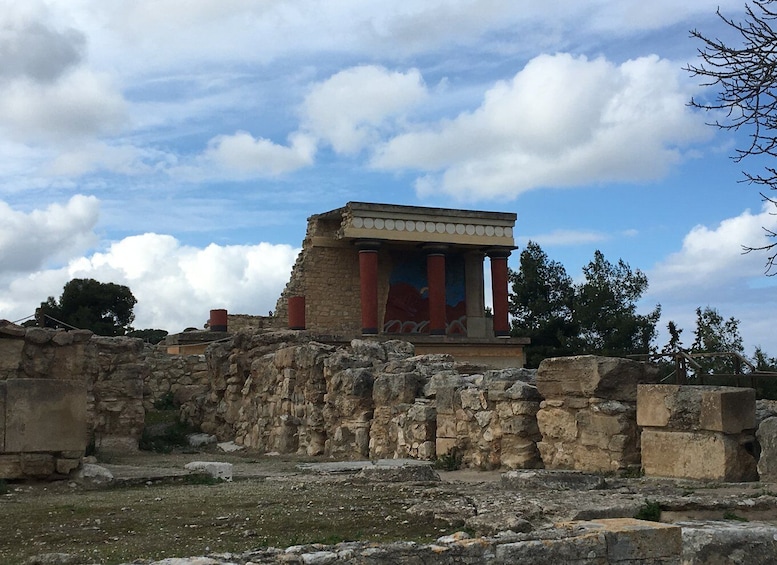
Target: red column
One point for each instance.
(296, 312)
(368, 278)
(499, 291)
(435, 274)
(218, 320)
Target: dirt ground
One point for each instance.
(154, 509)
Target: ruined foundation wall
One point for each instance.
(281, 392)
(61, 391)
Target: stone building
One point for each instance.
(406, 272)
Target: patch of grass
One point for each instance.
(166, 402)
(200, 479)
(731, 515)
(650, 511)
(633, 472)
(451, 461)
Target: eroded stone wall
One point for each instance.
(588, 416)
(281, 392)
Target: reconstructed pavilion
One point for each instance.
(406, 271)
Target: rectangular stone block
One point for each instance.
(696, 455)
(690, 408)
(635, 541)
(11, 466)
(443, 446)
(45, 415)
(2, 416)
(729, 410)
(10, 357)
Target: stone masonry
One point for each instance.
(588, 418)
(698, 432)
(282, 392)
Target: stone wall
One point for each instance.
(326, 273)
(698, 432)
(588, 418)
(281, 392)
(175, 378)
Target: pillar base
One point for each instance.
(437, 332)
(369, 331)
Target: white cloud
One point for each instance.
(353, 107)
(176, 285)
(565, 237)
(78, 104)
(561, 121)
(713, 258)
(29, 240)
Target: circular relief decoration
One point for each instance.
(358, 223)
(499, 231)
(439, 227)
(480, 230)
(430, 227)
(470, 229)
(509, 232)
(369, 223)
(489, 231)
(420, 226)
(379, 223)
(460, 229)
(389, 224)
(400, 225)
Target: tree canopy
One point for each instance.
(598, 316)
(746, 78)
(104, 308)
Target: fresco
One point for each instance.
(407, 307)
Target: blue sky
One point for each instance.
(179, 146)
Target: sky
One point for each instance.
(178, 146)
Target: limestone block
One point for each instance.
(10, 357)
(39, 465)
(447, 400)
(9, 329)
(629, 540)
(708, 542)
(689, 408)
(11, 466)
(443, 379)
(2, 416)
(589, 376)
(399, 388)
(557, 423)
(66, 466)
(45, 415)
(556, 454)
(767, 438)
(473, 399)
(696, 455)
(443, 446)
(446, 426)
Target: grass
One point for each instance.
(451, 461)
(175, 519)
(729, 515)
(650, 511)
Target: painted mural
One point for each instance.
(407, 307)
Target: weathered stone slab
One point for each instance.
(45, 415)
(689, 408)
(629, 540)
(11, 466)
(696, 455)
(2, 416)
(750, 543)
(10, 357)
(767, 438)
(589, 376)
(552, 479)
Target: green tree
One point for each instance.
(714, 334)
(104, 308)
(152, 336)
(745, 74)
(605, 310)
(541, 305)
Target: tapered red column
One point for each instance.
(368, 278)
(475, 294)
(435, 275)
(499, 291)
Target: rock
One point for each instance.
(319, 558)
(748, 543)
(230, 446)
(552, 479)
(198, 440)
(490, 523)
(767, 438)
(217, 470)
(94, 473)
(399, 473)
(53, 559)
